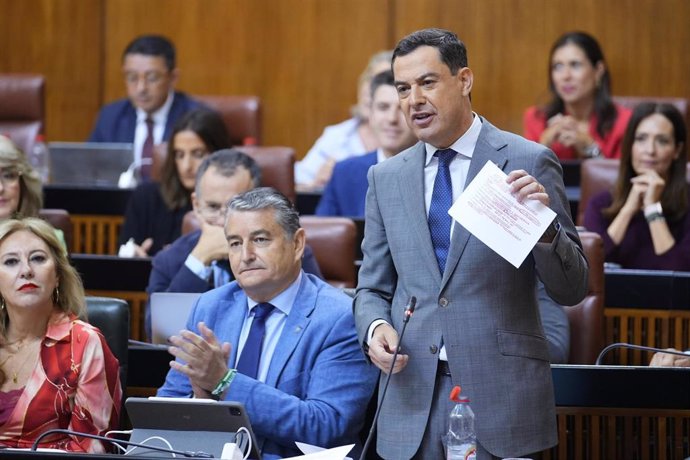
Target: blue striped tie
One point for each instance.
(441, 201)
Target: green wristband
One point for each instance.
(224, 383)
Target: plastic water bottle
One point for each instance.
(461, 439)
(40, 159)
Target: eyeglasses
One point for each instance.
(213, 211)
(150, 78)
(9, 177)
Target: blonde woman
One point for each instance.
(56, 371)
(20, 186)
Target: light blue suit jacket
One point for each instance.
(318, 384)
(482, 308)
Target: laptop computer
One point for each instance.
(169, 313)
(191, 425)
(89, 163)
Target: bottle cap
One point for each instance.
(455, 395)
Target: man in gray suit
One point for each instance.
(477, 321)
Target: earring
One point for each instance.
(56, 294)
(2, 304)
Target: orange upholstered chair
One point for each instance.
(241, 114)
(596, 175)
(333, 241)
(632, 101)
(60, 219)
(587, 318)
(277, 167)
(22, 110)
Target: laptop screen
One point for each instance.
(89, 163)
(169, 313)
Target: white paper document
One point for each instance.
(319, 453)
(490, 212)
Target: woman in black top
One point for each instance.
(155, 210)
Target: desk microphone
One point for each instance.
(409, 309)
(636, 347)
(187, 454)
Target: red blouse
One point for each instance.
(535, 124)
(75, 385)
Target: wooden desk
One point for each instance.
(610, 412)
(603, 412)
(96, 213)
(148, 367)
(646, 307)
(112, 276)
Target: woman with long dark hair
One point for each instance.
(155, 210)
(645, 221)
(581, 120)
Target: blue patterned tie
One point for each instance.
(441, 201)
(251, 353)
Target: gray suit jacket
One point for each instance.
(483, 308)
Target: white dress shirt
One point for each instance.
(159, 117)
(275, 323)
(459, 167)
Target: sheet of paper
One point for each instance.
(490, 212)
(319, 453)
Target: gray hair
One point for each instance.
(262, 198)
(226, 162)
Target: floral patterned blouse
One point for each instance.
(75, 386)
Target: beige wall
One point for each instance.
(302, 57)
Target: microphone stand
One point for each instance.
(636, 347)
(408, 314)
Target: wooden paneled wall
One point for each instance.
(302, 57)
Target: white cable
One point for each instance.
(249, 449)
(107, 435)
(159, 438)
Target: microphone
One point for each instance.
(636, 347)
(188, 454)
(409, 310)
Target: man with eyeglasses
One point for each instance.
(152, 106)
(198, 261)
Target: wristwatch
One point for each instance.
(653, 212)
(593, 150)
(551, 232)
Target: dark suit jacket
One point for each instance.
(346, 192)
(147, 215)
(170, 274)
(117, 120)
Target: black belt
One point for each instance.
(443, 368)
